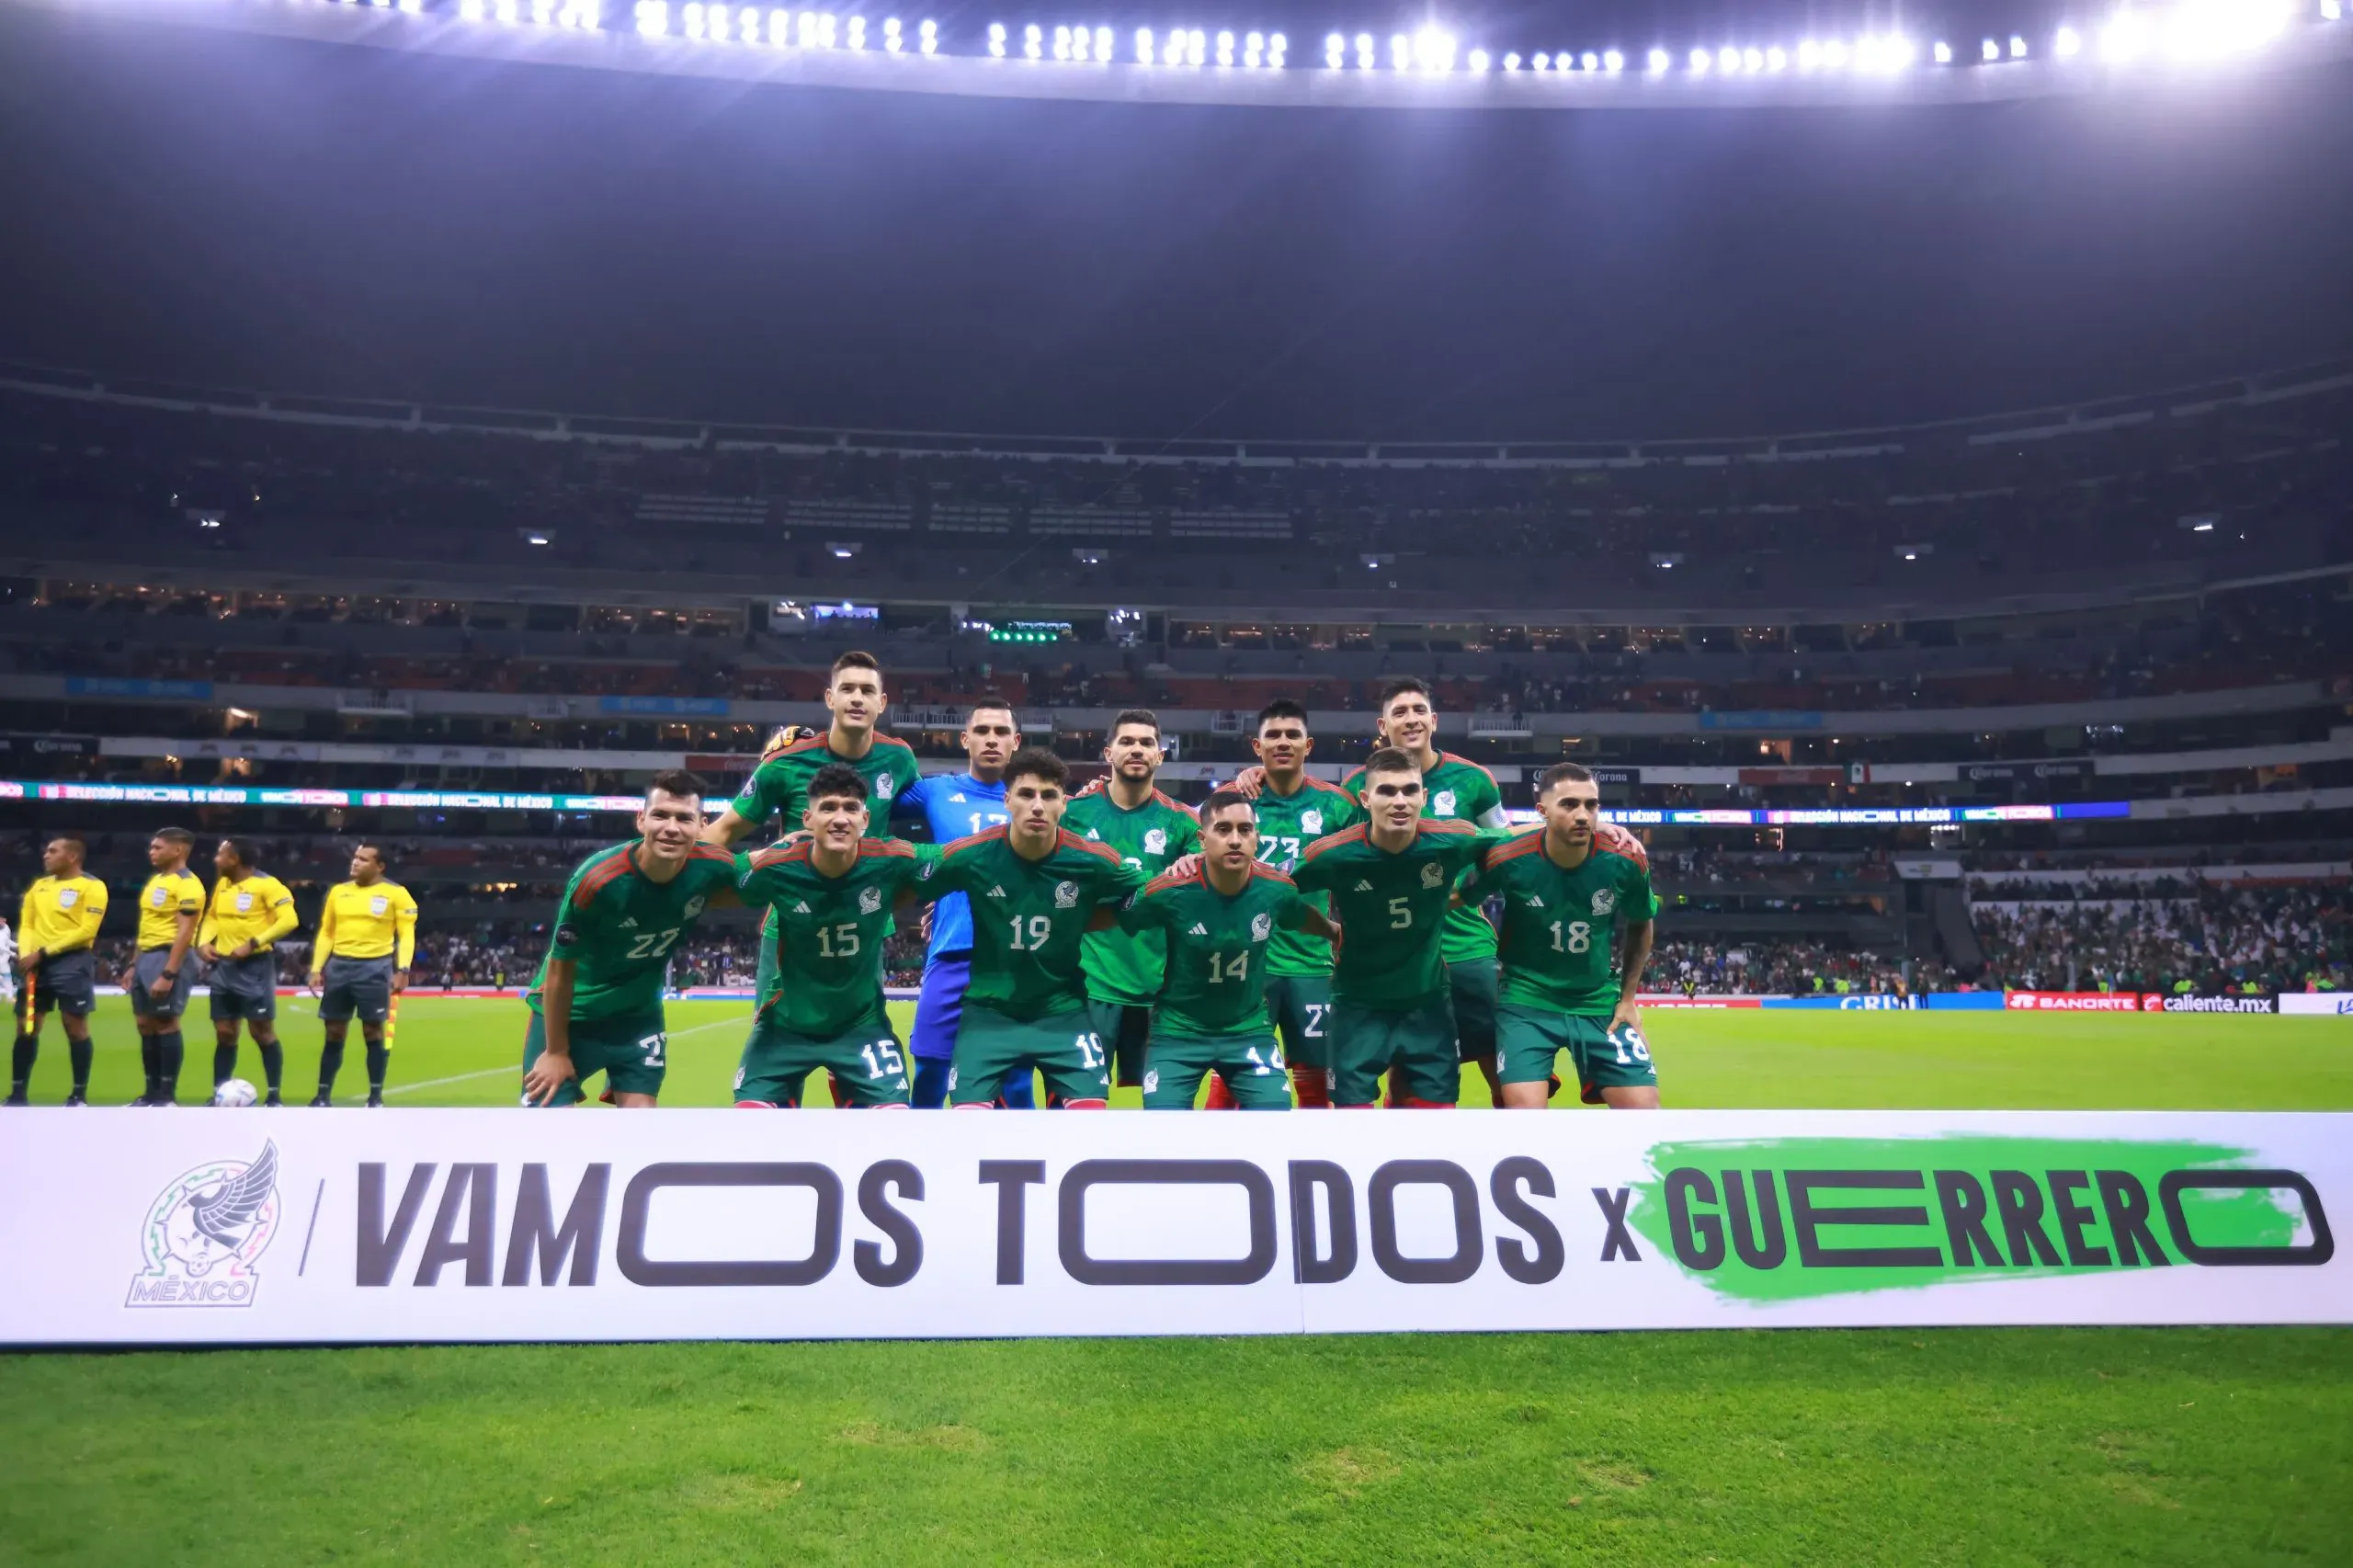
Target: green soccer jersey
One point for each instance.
(1560, 926)
(1029, 918)
(1286, 825)
(1391, 908)
(1219, 947)
(779, 787)
(618, 925)
(827, 931)
(1122, 967)
(1455, 789)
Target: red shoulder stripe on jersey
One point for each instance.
(1512, 849)
(796, 747)
(972, 841)
(1450, 757)
(713, 852)
(1330, 788)
(1611, 839)
(1332, 840)
(894, 741)
(781, 855)
(1258, 868)
(600, 872)
(1175, 805)
(1446, 826)
(1072, 841)
(1171, 880)
(888, 848)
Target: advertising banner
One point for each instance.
(2152, 1003)
(2317, 1003)
(2074, 1001)
(251, 1226)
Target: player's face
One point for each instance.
(56, 858)
(1034, 807)
(989, 741)
(1283, 745)
(856, 697)
(159, 853)
(669, 825)
(1571, 810)
(1408, 723)
(366, 864)
(225, 861)
(1231, 838)
(839, 821)
(1394, 799)
(1134, 751)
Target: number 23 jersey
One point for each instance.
(620, 927)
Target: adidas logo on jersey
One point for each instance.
(1363, 886)
(1093, 837)
(800, 908)
(957, 799)
(628, 925)
(996, 893)
(1534, 902)
(1198, 930)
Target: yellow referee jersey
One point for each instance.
(167, 897)
(372, 922)
(61, 913)
(260, 910)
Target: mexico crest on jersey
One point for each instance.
(1604, 900)
(1262, 925)
(1433, 875)
(1311, 820)
(1065, 895)
(883, 786)
(1443, 803)
(869, 900)
(1156, 841)
(694, 907)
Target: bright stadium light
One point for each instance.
(1335, 52)
(1809, 55)
(2330, 11)
(1943, 52)
(1365, 52)
(928, 37)
(1225, 48)
(2018, 47)
(1401, 52)
(996, 39)
(858, 32)
(1700, 60)
(1728, 61)
(1511, 62)
(691, 18)
(653, 17)
(1103, 44)
(1541, 63)
(1253, 46)
(1833, 55)
(1143, 46)
(2066, 44)
(2124, 37)
(1588, 60)
(1478, 61)
(1434, 49)
(890, 41)
(1277, 47)
(1612, 60)
(1752, 60)
(1062, 43)
(1033, 41)
(1989, 50)
(1660, 63)
(780, 27)
(1777, 60)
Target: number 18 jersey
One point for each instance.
(620, 927)
(1560, 926)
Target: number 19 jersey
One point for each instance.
(1029, 917)
(619, 927)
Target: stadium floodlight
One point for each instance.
(2018, 47)
(1434, 47)
(414, 7)
(858, 32)
(1277, 47)
(1612, 60)
(1728, 60)
(1365, 51)
(1700, 60)
(1660, 61)
(891, 40)
(1752, 60)
(1541, 63)
(1103, 45)
(1809, 55)
(1989, 50)
(1033, 41)
(1253, 46)
(996, 39)
(1589, 60)
(2332, 11)
(1401, 51)
(1335, 52)
(1143, 46)
(509, 11)
(2124, 37)
(2066, 44)
(1943, 52)
(653, 17)
(1478, 61)
(928, 37)
(1224, 48)
(1833, 55)
(1777, 60)
(691, 19)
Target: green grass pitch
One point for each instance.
(1962, 1446)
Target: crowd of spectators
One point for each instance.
(1777, 967)
(2209, 940)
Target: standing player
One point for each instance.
(779, 787)
(597, 1000)
(248, 913)
(169, 907)
(1148, 830)
(1392, 880)
(954, 806)
(1454, 788)
(1294, 809)
(1221, 917)
(830, 895)
(59, 920)
(367, 936)
(1037, 887)
(1570, 890)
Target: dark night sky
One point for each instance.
(248, 213)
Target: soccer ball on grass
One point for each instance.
(235, 1092)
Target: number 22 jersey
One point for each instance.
(619, 927)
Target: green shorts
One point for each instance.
(1473, 982)
(1301, 1006)
(1062, 1047)
(867, 1062)
(1251, 1064)
(1528, 1040)
(630, 1050)
(1124, 1030)
(1414, 1047)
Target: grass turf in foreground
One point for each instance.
(1981, 1446)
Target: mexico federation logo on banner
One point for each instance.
(204, 1233)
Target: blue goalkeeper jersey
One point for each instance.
(953, 806)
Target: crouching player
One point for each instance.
(829, 898)
(1392, 880)
(1220, 911)
(1571, 890)
(596, 1003)
(1036, 889)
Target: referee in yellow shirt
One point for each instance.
(248, 913)
(367, 936)
(169, 907)
(59, 921)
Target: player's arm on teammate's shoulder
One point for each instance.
(1298, 914)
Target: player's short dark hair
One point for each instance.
(178, 838)
(381, 859)
(1222, 799)
(242, 849)
(1281, 708)
(1036, 762)
(1145, 716)
(835, 780)
(80, 850)
(854, 660)
(1389, 759)
(1562, 773)
(1399, 687)
(675, 782)
(985, 706)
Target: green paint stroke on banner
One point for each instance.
(1789, 1219)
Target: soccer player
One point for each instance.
(1571, 889)
(249, 911)
(169, 907)
(779, 787)
(830, 895)
(954, 806)
(1149, 832)
(59, 922)
(1391, 879)
(1037, 887)
(1221, 917)
(358, 963)
(1454, 788)
(1294, 809)
(597, 1000)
